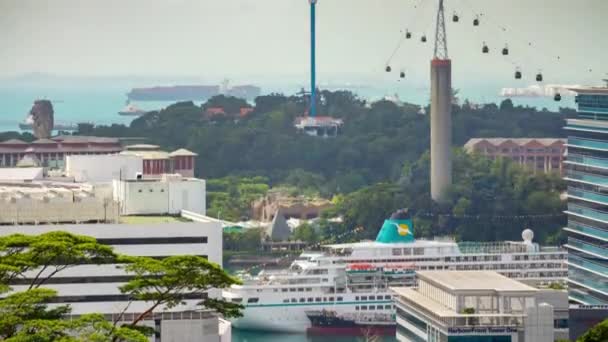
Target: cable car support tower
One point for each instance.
(441, 112)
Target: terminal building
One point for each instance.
(473, 306)
(587, 177)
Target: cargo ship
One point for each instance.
(192, 92)
(328, 322)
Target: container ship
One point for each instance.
(192, 92)
(352, 280)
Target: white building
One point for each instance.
(103, 168)
(36, 202)
(21, 174)
(466, 306)
(168, 195)
(95, 288)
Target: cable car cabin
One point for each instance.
(485, 48)
(423, 39)
(402, 74)
(408, 35)
(388, 68)
(505, 51)
(539, 77)
(517, 75)
(557, 97)
(476, 21)
(455, 18)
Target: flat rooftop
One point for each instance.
(472, 281)
(152, 219)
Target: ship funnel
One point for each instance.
(397, 229)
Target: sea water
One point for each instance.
(100, 104)
(254, 336)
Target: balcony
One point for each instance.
(587, 161)
(574, 226)
(588, 143)
(585, 298)
(586, 178)
(586, 264)
(588, 213)
(588, 247)
(589, 281)
(588, 195)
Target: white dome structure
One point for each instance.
(527, 235)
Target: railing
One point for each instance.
(586, 177)
(593, 196)
(587, 247)
(592, 266)
(595, 144)
(579, 227)
(591, 213)
(592, 161)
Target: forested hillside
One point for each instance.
(381, 150)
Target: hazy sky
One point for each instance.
(250, 38)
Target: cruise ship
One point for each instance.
(353, 279)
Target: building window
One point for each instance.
(253, 300)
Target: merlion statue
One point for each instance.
(42, 117)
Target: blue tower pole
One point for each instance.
(313, 66)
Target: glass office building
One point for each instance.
(587, 178)
(586, 172)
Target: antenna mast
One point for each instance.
(441, 40)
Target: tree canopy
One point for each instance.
(25, 311)
(382, 152)
(598, 333)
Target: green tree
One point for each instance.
(86, 328)
(305, 232)
(230, 104)
(598, 333)
(48, 254)
(25, 315)
(168, 282)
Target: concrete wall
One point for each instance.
(539, 324)
(157, 197)
(441, 127)
(103, 168)
(190, 330)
